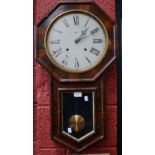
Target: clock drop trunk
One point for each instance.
(78, 105)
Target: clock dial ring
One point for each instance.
(92, 50)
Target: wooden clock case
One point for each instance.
(61, 81)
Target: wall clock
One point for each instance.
(75, 43)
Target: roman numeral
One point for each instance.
(65, 23)
(64, 62)
(76, 63)
(88, 60)
(76, 20)
(94, 31)
(57, 52)
(94, 51)
(95, 41)
(55, 42)
(86, 23)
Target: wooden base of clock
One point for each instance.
(77, 113)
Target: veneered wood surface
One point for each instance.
(56, 114)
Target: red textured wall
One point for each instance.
(43, 145)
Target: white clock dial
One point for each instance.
(76, 41)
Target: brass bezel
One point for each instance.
(49, 28)
(88, 134)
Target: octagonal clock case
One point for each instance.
(75, 42)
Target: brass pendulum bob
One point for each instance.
(77, 123)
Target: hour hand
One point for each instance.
(83, 35)
(79, 39)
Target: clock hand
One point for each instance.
(80, 38)
(83, 33)
(85, 36)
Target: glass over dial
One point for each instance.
(76, 41)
